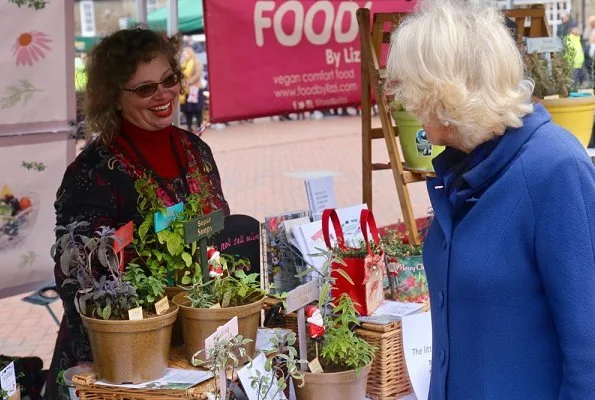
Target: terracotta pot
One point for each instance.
(131, 351)
(334, 385)
(177, 338)
(573, 113)
(200, 323)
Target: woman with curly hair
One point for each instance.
(133, 88)
(510, 254)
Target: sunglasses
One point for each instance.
(149, 89)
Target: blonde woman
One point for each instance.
(510, 254)
(192, 101)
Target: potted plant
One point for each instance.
(405, 269)
(123, 350)
(345, 358)
(418, 152)
(554, 89)
(206, 306)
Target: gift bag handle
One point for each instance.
(331, 214)
(366, 221)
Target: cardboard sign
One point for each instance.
(135, 314)
(315, 366)
(162, 306)
(544, 45)
(417, 347)
(302, 296)
(204, 226)
(123, 237)
(241, 237)
(8, 380)
(162, 221)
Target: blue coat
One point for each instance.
(512, 274)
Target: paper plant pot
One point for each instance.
(334, 385)
(418, 152)
(177, 338)
(200, 323)
(131, 351)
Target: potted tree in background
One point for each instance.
(554, 89)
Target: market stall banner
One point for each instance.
(268, 57)
(36, 77)
(31, 173)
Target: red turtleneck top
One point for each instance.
(156, 148)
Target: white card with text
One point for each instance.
(267, 381)
(417, 347)
(8, 379)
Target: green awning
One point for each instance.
(190, 17)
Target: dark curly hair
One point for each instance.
(111, 64)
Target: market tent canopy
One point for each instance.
(190, 17)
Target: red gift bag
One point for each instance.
(366, 273)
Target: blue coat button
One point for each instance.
(441, 299)
(442, 357)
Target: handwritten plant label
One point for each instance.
(302, 295)
(315, 366)
(224, 332)
(8, 380)
(162, 221)
(135, 314)
(203, 227)
(162, 306)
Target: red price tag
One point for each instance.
(123, 238)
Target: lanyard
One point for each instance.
(147, 166)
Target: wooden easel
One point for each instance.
(372, 36)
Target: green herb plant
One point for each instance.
(164, 259)
(393, 243)
(282, 361)
(554, 79)
(109, 296)
(341, 349)
(223, 353)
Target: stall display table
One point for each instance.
(88, 390)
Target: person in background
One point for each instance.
(192, 101)
(564, 27)
(510, 254)
(574, 42)
(133, 89)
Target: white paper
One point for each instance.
(178, 379)
(264, 338)
(391, 311)
(249, 371)
(321, 195)
(417, 347)
(8, 380)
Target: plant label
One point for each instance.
(302, 295)
(226, 299)
(162, 306)
(315, 366)
(229, 330)
(8, 379)
(163, 221)
(135, 314)
(215, 306)
(123, 237)
(204, 226)
(267, 378)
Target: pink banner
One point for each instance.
(268, 57)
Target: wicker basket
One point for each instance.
(87, 390)
(389, 378)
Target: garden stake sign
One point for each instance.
(298, 299)
(199, 230)
(123, 238)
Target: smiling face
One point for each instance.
(156, 111)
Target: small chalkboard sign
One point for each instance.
(199, 230)
(241, 237)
